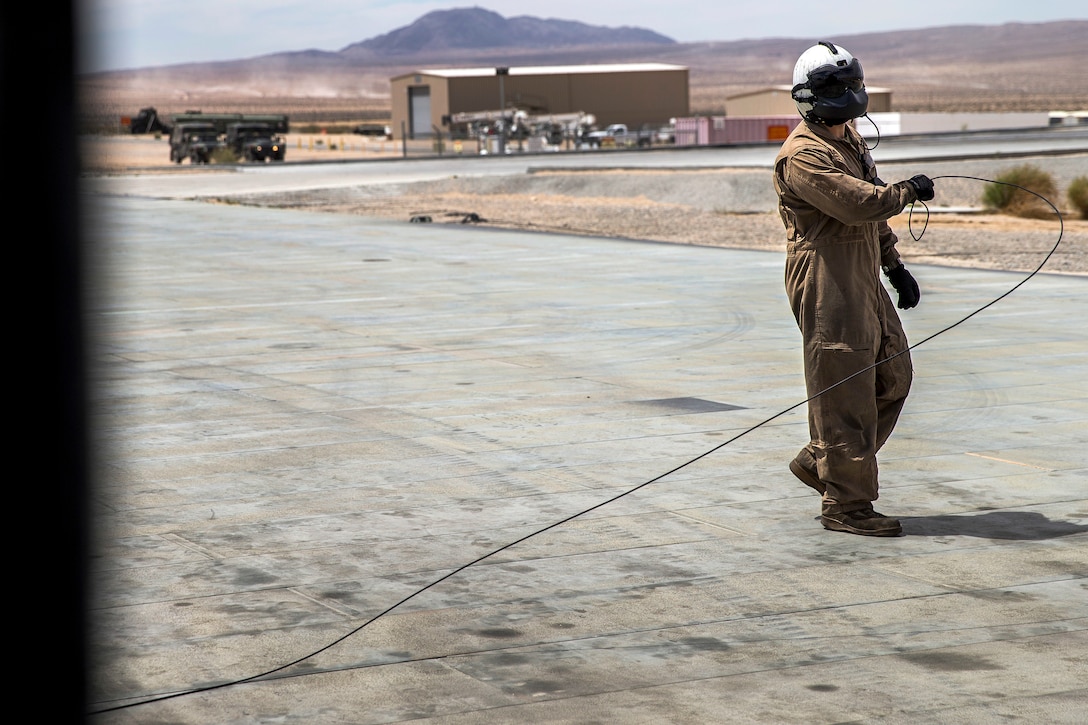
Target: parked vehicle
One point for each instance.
(255, 142)
(194, 141)
(277, 121)
(373, 129)
(618, 134)
(147, 121)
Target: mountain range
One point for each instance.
(477, 29)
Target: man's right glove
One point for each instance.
(923, 186)
(904, 284)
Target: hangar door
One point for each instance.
(419, 110)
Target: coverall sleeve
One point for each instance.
(814, 177)
(889, 255)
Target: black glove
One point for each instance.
(923, 186)
(904, 284)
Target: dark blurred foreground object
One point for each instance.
(48, 422)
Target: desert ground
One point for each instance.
(727, 207)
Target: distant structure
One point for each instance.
(776, 101)
(635, 94)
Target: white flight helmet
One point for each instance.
(829, 85)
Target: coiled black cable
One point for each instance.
(628, 492)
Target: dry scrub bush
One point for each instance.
(1017, 202)
(1078, 195)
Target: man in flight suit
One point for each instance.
(835, 210)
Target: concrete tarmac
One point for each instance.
(303, 419)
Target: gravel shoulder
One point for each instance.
(733, 208)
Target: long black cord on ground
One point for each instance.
(701, 456)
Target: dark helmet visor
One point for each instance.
(832, 81)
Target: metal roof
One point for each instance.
(545, 70)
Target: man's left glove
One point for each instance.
(904, 284)
(923, 187)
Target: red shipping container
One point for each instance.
(760, 129)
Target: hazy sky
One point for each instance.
(140, 33)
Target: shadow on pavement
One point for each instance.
(1016, 525)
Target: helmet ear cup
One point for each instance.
(805, 101)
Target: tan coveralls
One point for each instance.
(835, 210)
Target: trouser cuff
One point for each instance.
(842, 507)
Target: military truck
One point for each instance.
(277, 121)
(194, 141)
(255, 142)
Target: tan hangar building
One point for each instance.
(636, 94)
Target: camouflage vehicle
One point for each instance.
(194, 141)
(222, 121)
(255, 142)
